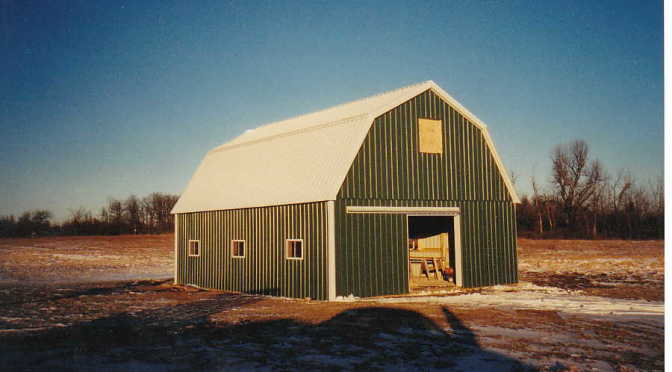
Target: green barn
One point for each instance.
(393, 193)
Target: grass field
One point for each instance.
(92, 303)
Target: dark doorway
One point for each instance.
(431, 244)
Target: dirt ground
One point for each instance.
(97, 303)
(609, 268)
(86, 258)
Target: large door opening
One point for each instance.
(432, 254)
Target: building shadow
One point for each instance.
(162, 325)
(46, 293)
(183, 337)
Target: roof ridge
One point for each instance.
(226, 146)
(343, 104)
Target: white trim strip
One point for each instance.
(331, 251)
(445, 211)
(457, 230)
(176, 254)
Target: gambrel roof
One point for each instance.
(302, 159)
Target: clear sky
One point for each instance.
(109, 98)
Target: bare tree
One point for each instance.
(132, 211)
(619, 189)
(79, 215)
(589, 203)
(538, 203)
(80, 222)
(514, 177)
(658, 195)
(116, 217)
(596, 209)
(115, 212)
(104, 215)
(156, 207)
(575, 178)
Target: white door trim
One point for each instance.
(331, 251)
(416, 211)
(457, 231)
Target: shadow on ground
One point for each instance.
(32, 294)
(182, 337)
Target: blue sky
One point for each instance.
(107, 98)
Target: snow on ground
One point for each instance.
(530, 296)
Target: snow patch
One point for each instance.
(530, 296)
(349, 298)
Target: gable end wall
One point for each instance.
(371, 252)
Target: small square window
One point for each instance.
(294, 249)
(238, 248)
(194, 248)
(430, 136)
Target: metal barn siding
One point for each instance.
(389, 166)
(371, 251)
(264, 269)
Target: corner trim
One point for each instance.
(457, 230)
(176, 255)
(331, 251)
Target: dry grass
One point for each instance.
(591, 256)
(86, 258)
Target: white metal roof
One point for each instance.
(299, 160)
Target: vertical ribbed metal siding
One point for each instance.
(390, 171)
(264, 269)
(372, 252)
(389, 165)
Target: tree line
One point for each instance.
(582, 200)
(133, 215)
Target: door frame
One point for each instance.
(423, 211)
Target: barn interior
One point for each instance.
(431, 244)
